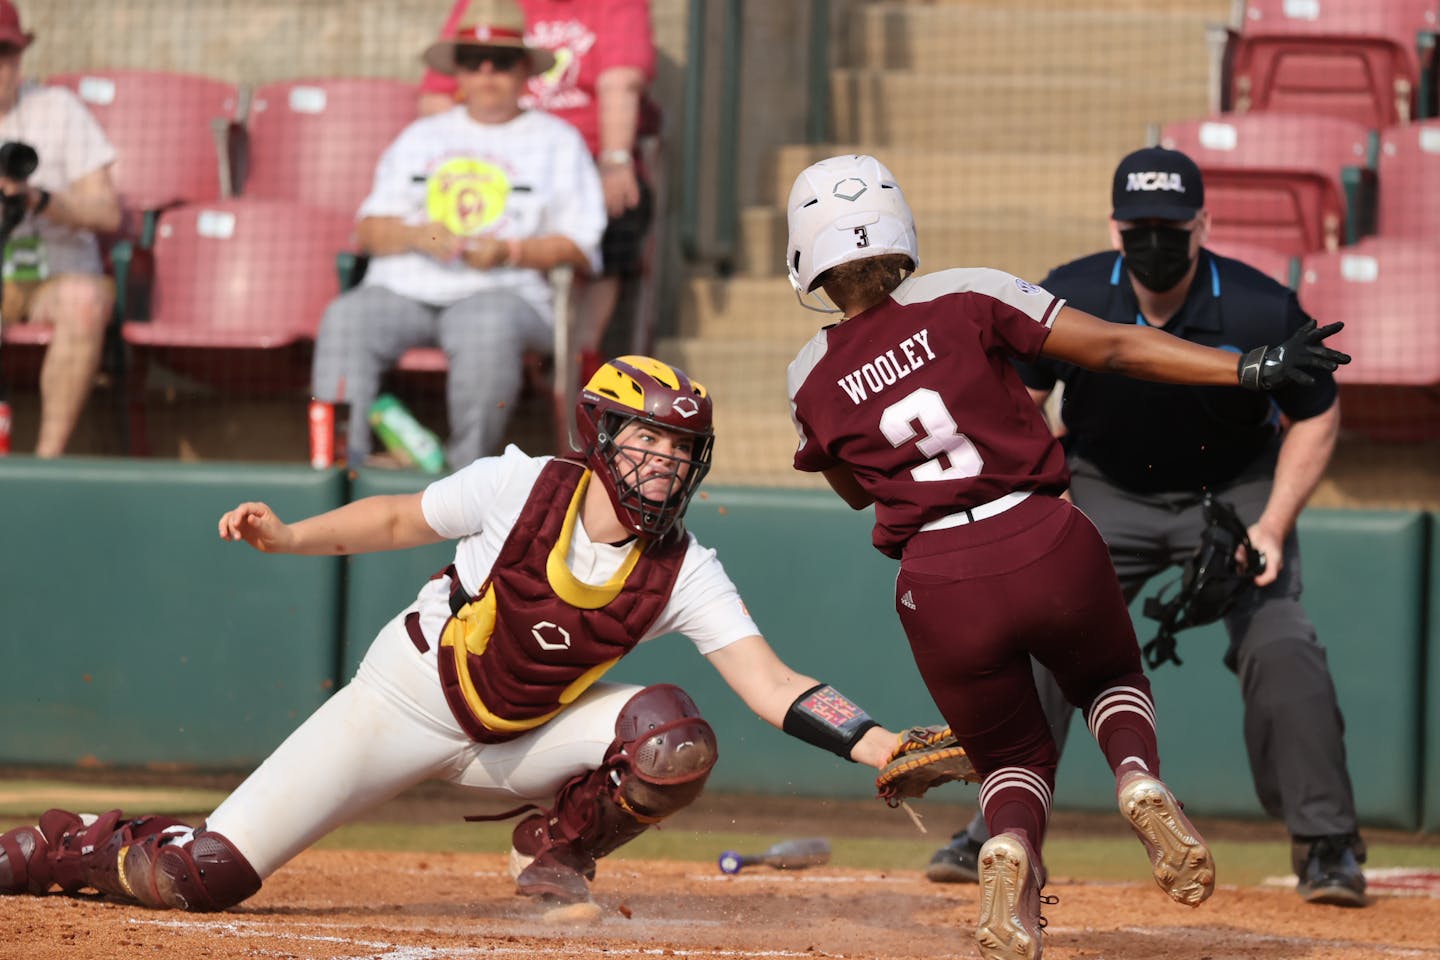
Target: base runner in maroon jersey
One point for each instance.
(910, 403)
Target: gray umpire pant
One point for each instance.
(366, 330)
(1294, 732)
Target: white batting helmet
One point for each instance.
(842, 209)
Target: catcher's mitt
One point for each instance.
(925, 757)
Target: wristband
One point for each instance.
(824, 717)
(616, 158)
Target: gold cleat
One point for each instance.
(1010, 927)
(1179, 858)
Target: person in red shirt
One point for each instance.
(604, 60)
(910, 403)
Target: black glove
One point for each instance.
(1270, 368)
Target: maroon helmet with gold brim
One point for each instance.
(644, 390)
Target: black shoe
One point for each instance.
(1331, 873)
(956, 862)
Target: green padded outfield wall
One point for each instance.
(132, 635)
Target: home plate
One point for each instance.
(1390, 881)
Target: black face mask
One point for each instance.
(1157, 256)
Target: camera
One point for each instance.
(17, 161)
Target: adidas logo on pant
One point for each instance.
(908, 600)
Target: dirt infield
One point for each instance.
(330, 905)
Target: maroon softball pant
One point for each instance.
(977, 601)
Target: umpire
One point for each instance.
(1142, 455)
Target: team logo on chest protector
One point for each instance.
(550, 636)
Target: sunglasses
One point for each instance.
(502, 59)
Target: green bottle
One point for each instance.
(404, 436)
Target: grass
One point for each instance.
(1244, 863)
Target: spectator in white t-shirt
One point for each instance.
(469, 208)
(52, 271)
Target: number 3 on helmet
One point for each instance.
(842, 209)
(643, 390)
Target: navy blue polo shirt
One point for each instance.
(1152, 437)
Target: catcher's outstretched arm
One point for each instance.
(770, 688)
(385, 522)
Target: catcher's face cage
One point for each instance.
(646, 395)
(1215, 576)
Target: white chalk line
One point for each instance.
(1248, 937)
(260, 930)
(1392, 882)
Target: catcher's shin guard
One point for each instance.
(24, 861)
(662, 754)
(156, 861)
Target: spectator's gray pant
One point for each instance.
(1294, 732)
(366, 330)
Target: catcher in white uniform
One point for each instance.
(490, 679)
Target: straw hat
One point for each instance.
(11, 34)
(487, 23)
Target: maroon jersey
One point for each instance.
(917, 395)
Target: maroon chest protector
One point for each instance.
(534, 637)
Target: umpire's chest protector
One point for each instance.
(535, 637)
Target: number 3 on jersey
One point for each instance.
(950, 455)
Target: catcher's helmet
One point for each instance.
(636, 389)
(842, 209)
(1214, 578)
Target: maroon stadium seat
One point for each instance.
(240, 286)
(1292, 182)
(1408, 166)
(1369, 61)
(317, 141)
(170, 132)
(1386, 291)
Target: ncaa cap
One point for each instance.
(1156, 183)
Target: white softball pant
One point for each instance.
(387, 730)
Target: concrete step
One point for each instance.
(1062, 183)
(763, 234)
(965, 113)
(1009, 39)
(1026, 240)
(746, 308)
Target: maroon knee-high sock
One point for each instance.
(1122, 720)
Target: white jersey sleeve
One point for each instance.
(705, 605)
(466, 501)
